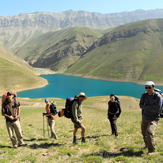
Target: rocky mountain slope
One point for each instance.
(17, 30)
(131, 52)
(58, 50)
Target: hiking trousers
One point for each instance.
(15, 127)
(147, 128)
(113, 126)
(51, 123)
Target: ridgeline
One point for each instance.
(131, 52)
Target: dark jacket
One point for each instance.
(151, 105)
(114, 108)
(11, 109)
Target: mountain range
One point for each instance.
(131, 52)
(58, 50)
(17, 30)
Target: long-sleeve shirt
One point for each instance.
(151, 105)
(10, 109)
(114, 108)
(77, 111)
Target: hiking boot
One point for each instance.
(75, 142)
(22, 145)
(83, 140)
(116, 135)
(15, 146)
(150, 152)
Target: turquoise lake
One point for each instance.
(63, 86)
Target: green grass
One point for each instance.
(16, 74)
(61, 48)
(99, 147)
(130, 52)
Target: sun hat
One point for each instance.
(150, 83)
(82, 94)
(46, 100)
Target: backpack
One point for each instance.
(117, 99)
(4, 99)
(53, 108)
(68, 105)
(160, 92)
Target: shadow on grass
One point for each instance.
(5, 146)
(94, 137)
(45, 145)
(34, 139)
(106, 154)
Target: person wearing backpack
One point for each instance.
(11, 111)
(50, 118)
(114, 111)
(77, 117)
(151, 105)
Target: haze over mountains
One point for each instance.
(17, 30)
(129, 52)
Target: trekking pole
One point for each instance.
(48, 126)
(43, 127)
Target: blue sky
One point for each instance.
(15, 7)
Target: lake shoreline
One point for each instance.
(113, 80)
(76, 84)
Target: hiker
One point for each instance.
(77, 116)
(114, 111)
(50, 118)
(11, 111)
(150, 103)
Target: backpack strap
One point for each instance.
(75, 99)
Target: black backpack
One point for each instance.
(160, 92)
(68, 105)
(53, 108)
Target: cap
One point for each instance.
(150, 83)
(10, 93)
(46, 100)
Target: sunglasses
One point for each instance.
(82, 96)
(148, 87)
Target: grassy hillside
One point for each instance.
(100, 148)
(58, 50)
(130, 52)
(16, 74)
